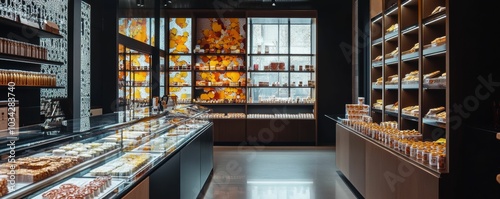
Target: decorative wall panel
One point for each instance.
(85, 64)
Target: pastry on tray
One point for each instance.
(438, 9)
(431, 75)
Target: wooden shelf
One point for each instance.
(30, 87)
(219, 54)
(391, 113)
(275, 54)
(276, 71)
(279, 104)
(413, 29)
(378, 87)
(22, 27)
(199, 71)
(410, 57)
(433, 122)
(28, 60)
(435, 51)
(438, 18)
(391, 86)
(409, 117)
(392, 61)
(410, 86)
(391, 36)
(220, 86)
(377, 64)
(220, 104)
(377, 41)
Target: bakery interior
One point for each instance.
(249, 99)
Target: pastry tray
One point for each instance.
(115, 184)
(409, 55)
(148, 164)
(168, 149)
(409, 84)
(376, 63)
(391, 60)
(430, 49)
(390, 35)
(435, 83)
(376, 86)
(391, 86)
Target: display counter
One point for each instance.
(377, 171)
(110, 156)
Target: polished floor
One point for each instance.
(276, 173)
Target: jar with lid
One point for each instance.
(433, 159)
(292, 67)
(420, 152)
(441, 161)
(300, 67)
(425, 155)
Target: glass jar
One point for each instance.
(425, 155)
(441, 161)
(420, 153)
(433, 158)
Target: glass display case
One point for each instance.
(282, 61)
(179, 61)
(100, 157)
(134, 77)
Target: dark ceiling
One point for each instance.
(219, 4)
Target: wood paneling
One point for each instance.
(141, 190)
(378, 173)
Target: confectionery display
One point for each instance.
(358, 111)
(438, 114)
(4, 189)
(35, 169)
(163, 143)
(411, 77)
(281, 116)
(81, 188)
(225, 116)
(393, 79)
(378, 104)
(392, 54)
(412, 49)
(434, 80)
(13, 47)
(437, 42)
(406, 142)
(26, 78)
(85, 151)
(392, 28)
(125, 165)
(431, 75)
(438, 9)
(283, 100)
(411, 110)
(392, 107)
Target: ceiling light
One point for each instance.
(274, 2)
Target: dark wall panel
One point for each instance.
(334, 66)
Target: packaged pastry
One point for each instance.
(393, 27)
(438, 41)
(431, 75)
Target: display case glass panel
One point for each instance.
(106, 159)
(180, 35)
(219, 35)
(140, 29)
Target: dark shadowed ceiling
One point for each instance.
(219, 4)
